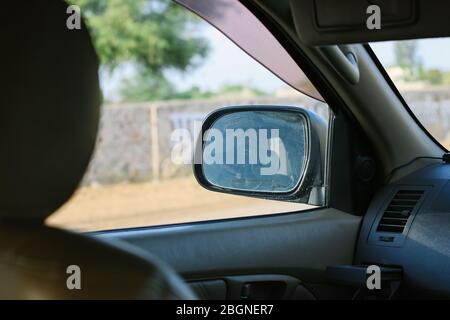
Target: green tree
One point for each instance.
(152, 35)
(238, 88)
(433, 76)
(407, 58)
(147, 87)
(446, 78)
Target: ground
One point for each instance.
(126, 205)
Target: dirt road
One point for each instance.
(179, 200)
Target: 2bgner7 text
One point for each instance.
(226, 309)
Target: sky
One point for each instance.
(435, 53)
(228, 64)
(225, 64)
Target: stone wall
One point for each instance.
(135, 144)
(432, 107)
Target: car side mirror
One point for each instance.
(270, 152)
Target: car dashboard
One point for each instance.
(408, 226)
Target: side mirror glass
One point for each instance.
(260, 151)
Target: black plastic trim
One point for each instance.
(398, 239)
(341, 113)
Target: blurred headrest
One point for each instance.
(49, 105)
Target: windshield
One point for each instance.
(420, 69)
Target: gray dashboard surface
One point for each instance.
(424, 253)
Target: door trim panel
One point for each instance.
(301, 244)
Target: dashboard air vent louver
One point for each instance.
(398, 211)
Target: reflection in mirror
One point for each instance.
(259, 151)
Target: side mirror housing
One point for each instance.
(270, 152)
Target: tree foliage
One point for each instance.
(406, 53)
(407, 57)
(153, 35)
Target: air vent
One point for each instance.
(399, 210)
